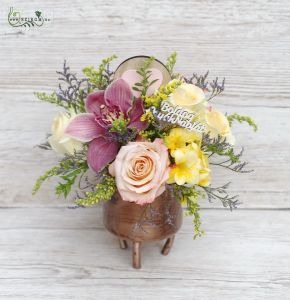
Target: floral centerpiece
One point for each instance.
(140, 130)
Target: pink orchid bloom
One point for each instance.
(103, 107)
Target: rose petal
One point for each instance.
(135, 115)
(118, 94)
(112, 169)
(56, 145)
(139, 153)
(84, 128)
(94, 101)
(101, 152)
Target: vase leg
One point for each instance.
(123, 244)
(168, 245)
(136, 255)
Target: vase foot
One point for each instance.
(123, 244)
(168, 245)
(136, 255)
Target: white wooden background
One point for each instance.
(50, 252)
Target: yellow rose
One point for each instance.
(188, 96)
(218, 124)
(58, 140)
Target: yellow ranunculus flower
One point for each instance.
(205, 172)
(189, 96)
(180, 137)
(58, 140)
(191, 166)
(218, 124)
(187, 165)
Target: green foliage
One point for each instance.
(193, 210)
(119, 125)
(150, 134)
(190, 196)
(99, 78)
(50, 173)
(77, 107)
(69, 178)
(145, 73)
(236, 117)
(103, 192)
(68, 169)
(153, 130)
(218, 146)
(51, 98)
(170, 62)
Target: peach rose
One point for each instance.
(141, 170)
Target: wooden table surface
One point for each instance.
(48, 251)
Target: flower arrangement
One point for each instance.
(139, 130)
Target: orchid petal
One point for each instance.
(84, 128)
(118, 94)
(135, 115)
(94, 101)
(101, 152)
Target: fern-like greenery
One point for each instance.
(228, 158)
(170, 63)
(51, 98)
(41, 179)
(218, 146)
(145, 74)
(103, 192)
(236, 117)
(189, 196)
(101, 77)
(68, 170)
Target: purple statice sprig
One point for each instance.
(73, 91)
(214, 87)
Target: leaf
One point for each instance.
(136, 89)
(171, 61)
(152, 82)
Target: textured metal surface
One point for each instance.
(150, 222)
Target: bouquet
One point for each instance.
(139, 130)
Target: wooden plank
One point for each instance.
(66, 254)
(207, 35)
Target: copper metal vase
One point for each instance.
(140, 223)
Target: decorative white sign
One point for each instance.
(177, 115)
